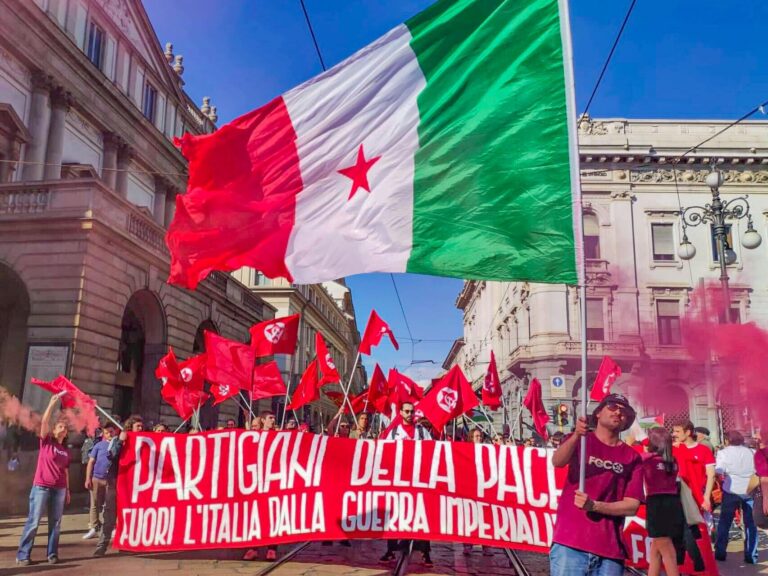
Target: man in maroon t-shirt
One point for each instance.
(587, 538)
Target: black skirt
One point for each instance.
(665, 517)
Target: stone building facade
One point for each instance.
(638, 287)
(326, 308)
(89, 106)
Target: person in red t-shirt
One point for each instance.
(50, 489)
(697, 464)
(588, 531)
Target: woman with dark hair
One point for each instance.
(50, 488)
(665, 520)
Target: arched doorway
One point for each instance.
(142, 344)
(209, 414)
(14, 312)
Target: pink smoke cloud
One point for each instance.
(79, 419)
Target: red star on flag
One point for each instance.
(358, 173)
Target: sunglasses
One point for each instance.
(613, 407)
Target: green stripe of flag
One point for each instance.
(492, 188)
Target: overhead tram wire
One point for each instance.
(610, 56)
(312, 33)
(405, 318)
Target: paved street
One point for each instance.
(361, 559)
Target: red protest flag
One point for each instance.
(359, 402)
(229, 362)
(168, 368)
(334, 396)
(221, 392)
(192, 371)
(276, 336)
(72, 397)
(402, 389)
(267, 381)
(492, 386)
(184, 400)
(535, 406)
(374, 331)
(308, 389)
(187, 374)
(182, 382)
(605, 378)
(451, 397)
(328, 371)
(378, 391)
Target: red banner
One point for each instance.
(237, 488)
(232, 489)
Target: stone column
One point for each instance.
(61, 101)
(170, 206)
(124, 155)
(109, 168)
(161, 189)
(39, 120)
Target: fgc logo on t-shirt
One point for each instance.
(616, 467)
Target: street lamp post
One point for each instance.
(716, 213)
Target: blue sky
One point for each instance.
(676, 60)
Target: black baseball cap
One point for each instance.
(702, 430)
(621, 401)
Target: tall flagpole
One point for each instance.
(578, 215)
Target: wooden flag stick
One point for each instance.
(346, 393)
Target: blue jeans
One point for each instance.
(40, 500)
(727, 509)
(564, 561)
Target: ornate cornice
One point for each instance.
(667, 176)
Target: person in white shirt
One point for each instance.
(407, 428)
(736, 464)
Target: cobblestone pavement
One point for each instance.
(361, 559)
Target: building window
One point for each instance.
(668, 321)
(591, 237)
(663, 242)
(95, 47)
(728, 239)
(595, 324)
(148, 106)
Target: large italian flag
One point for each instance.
(445, 147)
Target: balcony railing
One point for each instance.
(81, 198)
(24, 201)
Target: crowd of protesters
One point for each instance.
(659, 471)
(680, 476)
